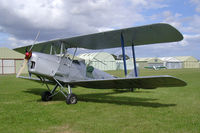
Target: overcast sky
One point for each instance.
(20, 20)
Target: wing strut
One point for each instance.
(134, 60)
(123, 53)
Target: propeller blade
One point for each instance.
(22, 67)
(28, 55)
(35, 40)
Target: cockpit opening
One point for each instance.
(32, 64)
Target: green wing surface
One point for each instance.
(142, 35)
(145, 82)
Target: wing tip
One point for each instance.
(179, 36)
(180, 82)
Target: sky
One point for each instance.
(21, 20)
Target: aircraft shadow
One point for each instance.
(122, 100)
(135, 91)
(107, 98)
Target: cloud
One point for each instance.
(21, 20)
(188, 25)
(175, 19)
(152, 4)
(192, 39)
(102, 29)
(59, 18)
(18, 43)
(194, 24)
(197, 4)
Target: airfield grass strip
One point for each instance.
(163, 110)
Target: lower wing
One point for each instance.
(145, 82)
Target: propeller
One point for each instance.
(35, 40)
(28, 55)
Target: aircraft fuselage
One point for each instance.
(63, 68)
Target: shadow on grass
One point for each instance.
(107, 98)
(135, 91)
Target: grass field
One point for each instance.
(163, 110)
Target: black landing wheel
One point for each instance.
(71, 99)
(46, 96)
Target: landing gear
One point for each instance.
(46, 96)
(70, 97)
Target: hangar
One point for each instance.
(188, 61)
(10, 61)
(129, 64)
(155, 62)
(171, 63)
(142, 62)
(100, 60)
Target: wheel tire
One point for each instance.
(46, 96)
(71, 99)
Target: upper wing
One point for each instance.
(146, 82)
(148, 34)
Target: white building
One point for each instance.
(100, 60)
(10, 61)
(157, 62)
(168, 62)
(171, 63)
(129, 64)
(142, 62)
(188, 61)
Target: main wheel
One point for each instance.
(46, 96)
(71, 99)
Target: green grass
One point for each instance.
(163, 110)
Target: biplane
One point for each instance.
(50, 63)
